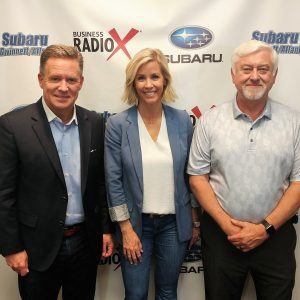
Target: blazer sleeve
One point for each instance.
(117, 203)
(190, 131)
(10, 241)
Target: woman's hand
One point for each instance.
(196, 227)
(195, 236)
(132, 246)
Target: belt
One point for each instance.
(72, 229)
(152, 216)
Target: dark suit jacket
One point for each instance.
(33, 193)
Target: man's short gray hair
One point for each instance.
(250, 47)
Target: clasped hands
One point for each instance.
(246, 236)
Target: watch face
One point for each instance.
(196, 224)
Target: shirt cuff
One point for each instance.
(119, 213)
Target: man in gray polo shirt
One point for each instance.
(245, 173)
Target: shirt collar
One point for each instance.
(266, 113)
(52, 116)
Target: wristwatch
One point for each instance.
(196, 224)
(269, 227)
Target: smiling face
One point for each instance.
(61, 82)
(149, 83)
(254, 76)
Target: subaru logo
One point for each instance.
(191, 37)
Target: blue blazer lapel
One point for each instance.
(174, 138)
(134, 144)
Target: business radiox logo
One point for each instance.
(282, 42)
(16, 44)
(101, 42)
(192, 38)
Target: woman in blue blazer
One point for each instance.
(146, 151)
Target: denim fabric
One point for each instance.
(123, 156)
(160, 240)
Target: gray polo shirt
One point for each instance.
(250, 164)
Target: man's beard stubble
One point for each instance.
(253, 94)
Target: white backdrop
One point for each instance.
(201, 75)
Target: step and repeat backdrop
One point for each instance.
(197, 37)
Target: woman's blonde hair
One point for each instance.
(142, 57)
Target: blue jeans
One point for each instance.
(160, 239)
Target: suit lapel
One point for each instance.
(84, 127)
(174, 138)
(134, 144)
(42, 129)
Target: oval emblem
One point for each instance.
(191, 37)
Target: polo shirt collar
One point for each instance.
(266, 113)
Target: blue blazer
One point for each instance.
(124, 170)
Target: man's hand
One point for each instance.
(18, 262)
(107, 245)
(250, 236)
(229, 228)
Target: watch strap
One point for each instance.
(269, 227)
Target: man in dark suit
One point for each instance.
(53, 212)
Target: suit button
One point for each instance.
(63, 197)
(62, 223)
